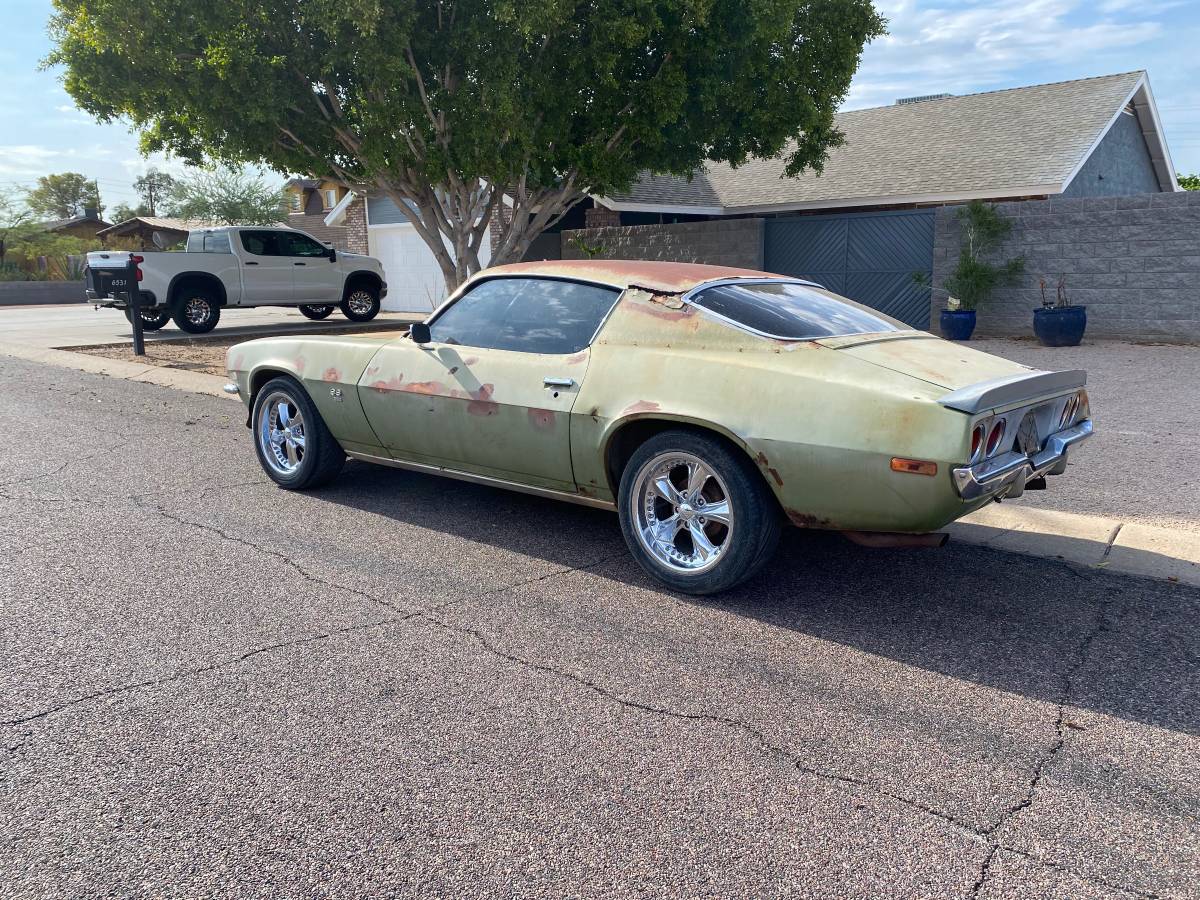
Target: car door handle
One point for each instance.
(251, 262)
(558, 382)
(299, 264)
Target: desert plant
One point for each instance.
(972, 280)
(1061, 300)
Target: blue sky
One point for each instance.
(932, 48)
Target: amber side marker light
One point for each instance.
(914, 466)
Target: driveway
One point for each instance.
(402, 685)
(80, 325)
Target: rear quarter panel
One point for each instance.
(821, 425)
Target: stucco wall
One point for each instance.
(1119, 166)
(722, 242)
(1133, 261)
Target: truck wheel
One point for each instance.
(316, 312)
(153, 318)
(293, 444)
(196, 311)
(361, 304)
(695, 513)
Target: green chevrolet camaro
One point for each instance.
(706, 405)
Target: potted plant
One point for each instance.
(973, 278)
(1058, 323)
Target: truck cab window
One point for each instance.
(263, 243)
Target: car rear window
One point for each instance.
(793, 311)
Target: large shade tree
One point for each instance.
(457, 108)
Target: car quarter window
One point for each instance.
(793, 311)
(296, 244)
(263, 243)
(530, 315)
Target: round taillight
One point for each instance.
(995, 437)
(976, 441)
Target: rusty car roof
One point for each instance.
(667, 277)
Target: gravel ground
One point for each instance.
(1141, 464)
(407, 686)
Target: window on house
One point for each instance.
(294, 201)
(331, 198)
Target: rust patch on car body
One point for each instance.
(576, 358)
(806, 520)
(640, 406)
(331, 374)
(482, 403)
(299, 363)
(392, 384)
(765, 464)
(470, 360)
(542, 419)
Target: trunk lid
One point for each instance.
(921, 355)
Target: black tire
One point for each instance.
(322, 457)
(196, 310)
(743, 547)
(152, 318)
(316, 313)
(361, 303)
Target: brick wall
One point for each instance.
(722, 242)
(356, 226)
(1133, 261)
(315, 225)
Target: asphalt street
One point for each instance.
(400, 685)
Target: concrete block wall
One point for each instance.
(722, 242)
(1134, 261)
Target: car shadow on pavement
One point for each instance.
(1119, 645)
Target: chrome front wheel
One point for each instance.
(281, 436)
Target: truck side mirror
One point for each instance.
(419, 332)
(333, 254)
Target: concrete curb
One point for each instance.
(180, 379)
(1093, 541)
(1096, 542)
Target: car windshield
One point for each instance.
(793, 311)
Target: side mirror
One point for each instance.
(419, 332)
(332, 254)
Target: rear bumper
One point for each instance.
(1006, 474)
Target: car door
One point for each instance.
(492, 392)
(316, 277)
(266, 271)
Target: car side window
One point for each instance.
(527, 315)
(296, 244)
(262, 243)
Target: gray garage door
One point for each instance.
(868, 257)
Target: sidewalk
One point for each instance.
(1127, 544)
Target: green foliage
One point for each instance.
(15, 216)
(153, 188)
(589, 251)
(64, 196)
(123, 212)
(975, 277)
(452, 106)
(226, 196)
(1189, 182)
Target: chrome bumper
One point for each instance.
(1006, 474)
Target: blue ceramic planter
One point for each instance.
(1060, 326)
(958, 324)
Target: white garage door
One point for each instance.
(415, 282)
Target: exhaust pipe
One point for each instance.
(886, 539)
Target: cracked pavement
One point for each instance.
(405, 685)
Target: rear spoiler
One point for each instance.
(1013, 389)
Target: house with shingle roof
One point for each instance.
(1090, 137)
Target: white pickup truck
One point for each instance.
(239, 266)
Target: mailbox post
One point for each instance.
(134, 293)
